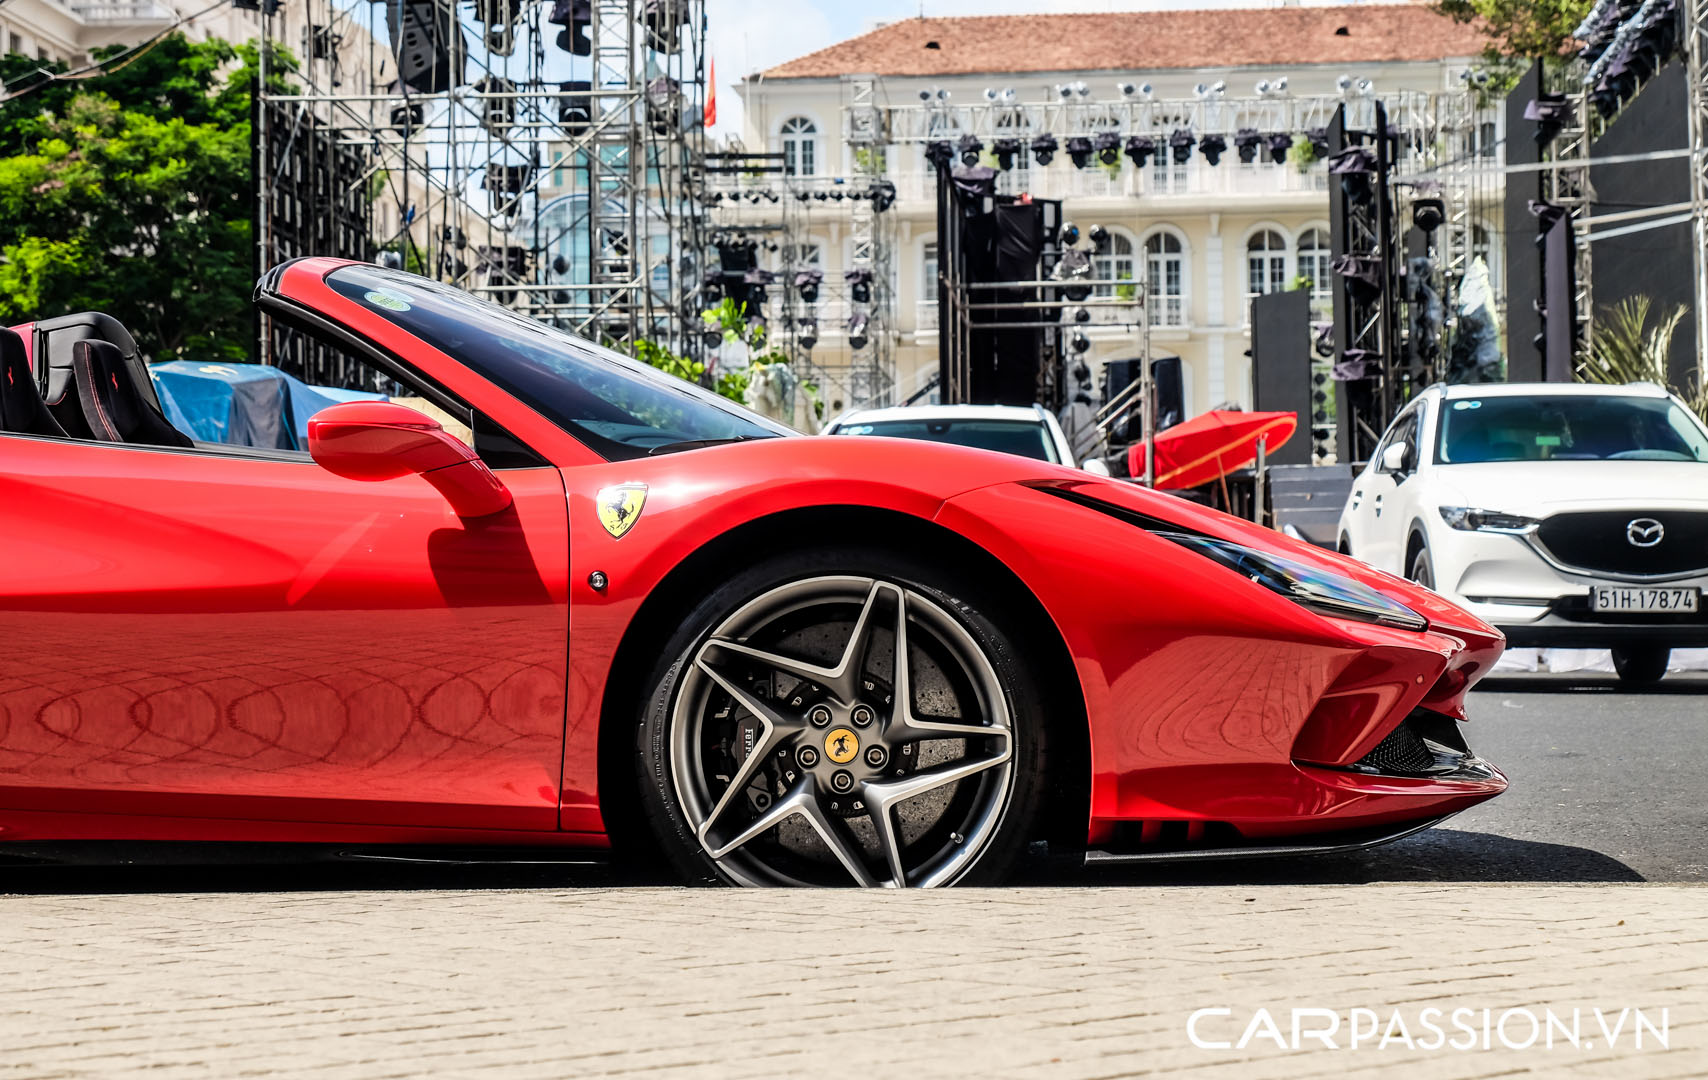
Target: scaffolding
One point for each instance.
(543, 155)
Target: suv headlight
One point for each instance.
(1321, 591)
(1467, 519)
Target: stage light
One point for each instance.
(1005, 151)
(1068, 234)
(1213, 147)
(1108, 147)
(1279, 143)
(1201, 90)
(1063, 91)
(1319, 141)
(969, 148)
(1262, 88)
(1247, 142)
(925, 95)
(990, 93)
(560, 265)
(1366, 87)
(882, 193)
(1219, 88)
(807, 280)
(857, 323)
(1181, 143)
(1344, 83)
(939, 153)
(1079, 151)
(942, 94)
(1082, 373)
(1126, 89)
(1099, 237)
(803, 194)
(859, 285)
(1081, 315)
(1281, 85)
(1145, 91)
(1044, 149)
(1080, 342)
(808, 336)
(1428, 214)
(1139, 149)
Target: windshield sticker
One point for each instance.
(1467, 405)
(390, 299)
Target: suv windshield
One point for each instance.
(1009, 436)
(619, 407)
(1577, 428)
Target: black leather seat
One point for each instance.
(22, 411)
(113, 407)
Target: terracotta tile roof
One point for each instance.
(1143, 41)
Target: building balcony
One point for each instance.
(133, 11)
(1197, 180)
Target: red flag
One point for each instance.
(712, 94)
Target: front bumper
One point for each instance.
(1506, 581)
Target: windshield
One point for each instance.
(619, 407)
(1578, 428)
(1021, 437)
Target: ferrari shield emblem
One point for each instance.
(620, 507)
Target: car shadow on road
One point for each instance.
(1595, 682)
(1445, 855)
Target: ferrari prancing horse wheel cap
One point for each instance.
(840, 745)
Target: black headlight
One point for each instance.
(1321, 591)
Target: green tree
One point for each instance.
(1520, 29)
(133, 193)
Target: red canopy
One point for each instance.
(1205, 447)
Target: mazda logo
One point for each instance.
(1644, 532)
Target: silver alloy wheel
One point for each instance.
(802, 752)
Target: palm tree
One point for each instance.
(1625, 348)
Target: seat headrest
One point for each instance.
(21, 409)
(112, 406)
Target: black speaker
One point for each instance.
(428, 42)
(1169, 387)
(575, 106)
(1281, 365)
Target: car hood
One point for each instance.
(1540, 488)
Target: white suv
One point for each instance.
(1566, 515)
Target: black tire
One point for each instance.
(1641, 665)
(1421, 570)
(673, 743)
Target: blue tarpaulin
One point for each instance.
(243, 404)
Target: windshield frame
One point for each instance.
(463, 310)
(1443, 419)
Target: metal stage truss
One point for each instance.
(542, 153)
(1435, 135)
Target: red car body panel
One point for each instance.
(208, 646)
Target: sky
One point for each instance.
(751, 35)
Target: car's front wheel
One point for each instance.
(1421, 570)
(1643, 664)
(844, 716)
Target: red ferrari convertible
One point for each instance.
(545, 595)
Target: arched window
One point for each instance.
(1165, 276)
(1265, 263)
(1118, 263)
(1314, 263)
(800, 147)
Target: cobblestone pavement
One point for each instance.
(1034, 982)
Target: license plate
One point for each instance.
(1643, 601)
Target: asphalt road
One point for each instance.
(1608, 785)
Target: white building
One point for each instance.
(1206, 237)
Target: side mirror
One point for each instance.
(381, 440)
(1394, 458)
(1096, 467)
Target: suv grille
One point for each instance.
(1599, 540)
